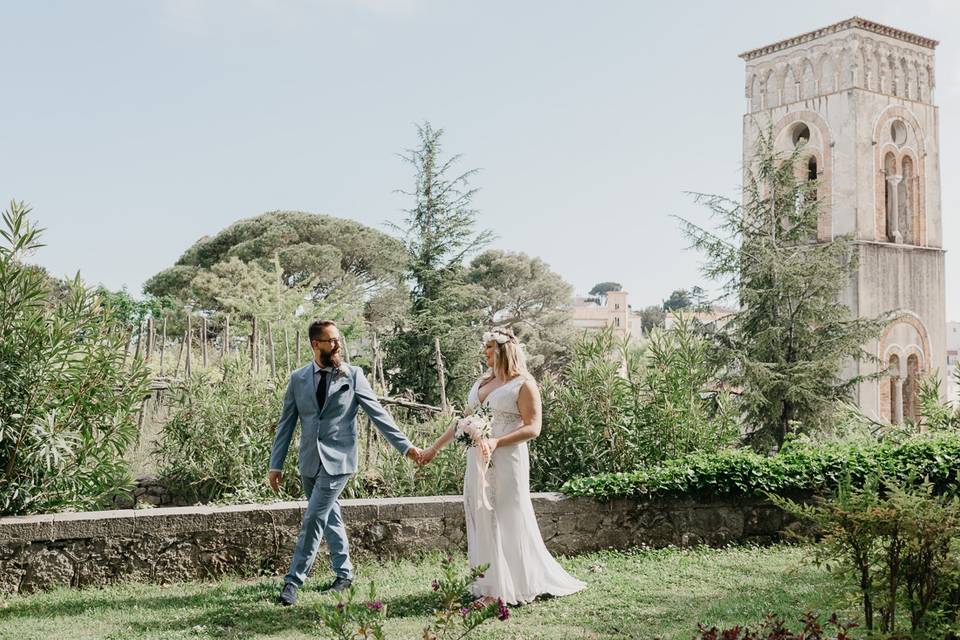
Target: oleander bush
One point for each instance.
(618, 406)
(69, 396)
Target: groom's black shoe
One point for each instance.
(289, 594)
(338, 585)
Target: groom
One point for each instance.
(326, 395)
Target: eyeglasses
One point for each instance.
(332, 341)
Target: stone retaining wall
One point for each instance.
(187, 543)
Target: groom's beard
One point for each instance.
(331, 359)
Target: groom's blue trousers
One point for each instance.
(322, 516)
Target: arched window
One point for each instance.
(812, 192)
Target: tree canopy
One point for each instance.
(311, 248)
(522, 292)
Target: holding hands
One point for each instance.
(415, 455)
(420, 457)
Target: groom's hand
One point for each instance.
(274, 479)
(415, 455)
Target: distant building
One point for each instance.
(720, 315)
(615, 313)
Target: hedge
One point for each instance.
(795, 471)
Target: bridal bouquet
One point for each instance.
(471, 431)
(473, 427)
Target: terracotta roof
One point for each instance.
(852, 23)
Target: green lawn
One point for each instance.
(637, 594)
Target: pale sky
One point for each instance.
(133, 128)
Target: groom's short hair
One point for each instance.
(316, 328)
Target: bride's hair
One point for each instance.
(508, 358)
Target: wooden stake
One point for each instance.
(136, 354)
(378, 365)
(297, 340)
(183, 345)
(151, 337)
(224, 349)
(254, 353)
(187, 370)
(163, 343)
(126, 349)
(440, 376)
(273, 352)
(286, 346)
(203, 341)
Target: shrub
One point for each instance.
(796, 470)
(216, 444)
(899, 546)
(935, 415)
(617, 406)
(68, 398)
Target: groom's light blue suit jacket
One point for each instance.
(329, 437)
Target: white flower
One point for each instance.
(473, 428)
(501, 338)
(343, 369)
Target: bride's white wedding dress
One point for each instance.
(507, 535)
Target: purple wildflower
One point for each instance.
(502, 612)
(376, 605)
(464, 611)
(435, 585)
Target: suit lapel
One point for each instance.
(340, 384)
(308, 382)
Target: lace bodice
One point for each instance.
(502, 402)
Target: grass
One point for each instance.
(637, 594)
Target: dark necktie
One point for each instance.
(322, 390)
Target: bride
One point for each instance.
(501, 527)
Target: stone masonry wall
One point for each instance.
(188, 543)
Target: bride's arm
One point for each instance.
(531, 412)
(428, 454)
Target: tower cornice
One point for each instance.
(851, 23)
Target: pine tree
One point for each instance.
(784, 351)
(439, 234)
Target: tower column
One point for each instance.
(893, 208)
(896, 390)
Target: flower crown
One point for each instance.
(501, 336)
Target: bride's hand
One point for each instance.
(489, 446)
(427, 455)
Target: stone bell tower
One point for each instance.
(861, 95)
